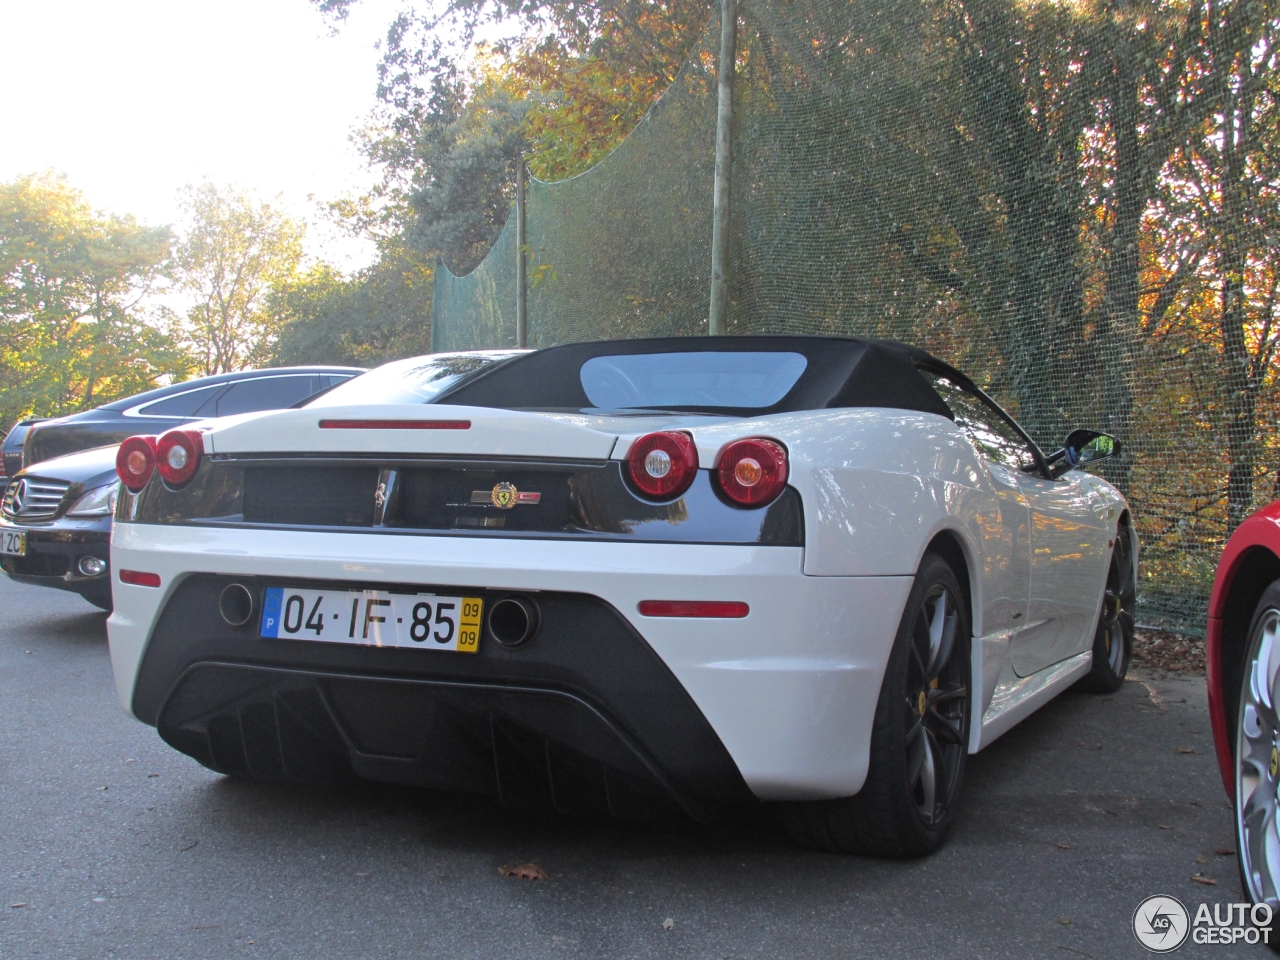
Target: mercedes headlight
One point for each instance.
(98, 502)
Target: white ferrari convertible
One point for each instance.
(622, 577)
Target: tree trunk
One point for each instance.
(1037, 175)
(1235, 89)
(1116, 362)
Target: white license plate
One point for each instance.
(13, 543)
(419, 621)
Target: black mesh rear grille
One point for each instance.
(321, 495)
(438, 499)
(557, 499)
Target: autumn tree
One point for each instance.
(72, 281)
(233, 251)
(560, 86)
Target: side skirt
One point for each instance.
(1015, 698)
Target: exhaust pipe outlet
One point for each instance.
(236, 604)
(513, 621)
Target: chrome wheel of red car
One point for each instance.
(1257, 765)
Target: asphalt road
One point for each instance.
(113, 845)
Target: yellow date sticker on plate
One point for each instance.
(469, 625)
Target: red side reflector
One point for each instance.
(395, 424)
(140, 579)
(694, 608)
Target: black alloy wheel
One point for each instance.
(1113, 641)
(920, 741)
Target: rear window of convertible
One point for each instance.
(416, 380)
(737, 379)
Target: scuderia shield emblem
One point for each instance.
(504, 496)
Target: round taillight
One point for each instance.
(178, 455)
(753, 472)
(663, 465)
(135, 460)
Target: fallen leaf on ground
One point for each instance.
(668, 924)
(99, 899)
(1225, 851)
(193, 843)
(100, 789)
(1063, 846)
(150, 775)
(15, 906)
(1201, 878)
(1165, 826)
(1186, 750)
(1064, 920)
(525, 871)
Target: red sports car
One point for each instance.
(1242, 652)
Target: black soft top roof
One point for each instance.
(841, 372)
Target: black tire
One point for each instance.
(1113, 639)
(1257, 762)
(920, 741)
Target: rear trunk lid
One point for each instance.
(411, 430)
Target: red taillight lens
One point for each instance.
(135, 460)
(178, 454)
(662, 465)
(753, 472)
(140, 579)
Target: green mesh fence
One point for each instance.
(1038, 193)
(478, 311)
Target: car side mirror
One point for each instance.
(1082, 447)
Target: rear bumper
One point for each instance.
(53, 552)
(786, 694)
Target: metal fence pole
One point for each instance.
(724, 169)
(522, 288)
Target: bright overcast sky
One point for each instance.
(132, 99)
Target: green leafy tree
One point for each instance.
(382, 313)
(234, 252)
(561, 86)
(72, 282)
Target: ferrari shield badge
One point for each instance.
(504, 496)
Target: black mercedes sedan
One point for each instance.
(156, 411)
(55, 515)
